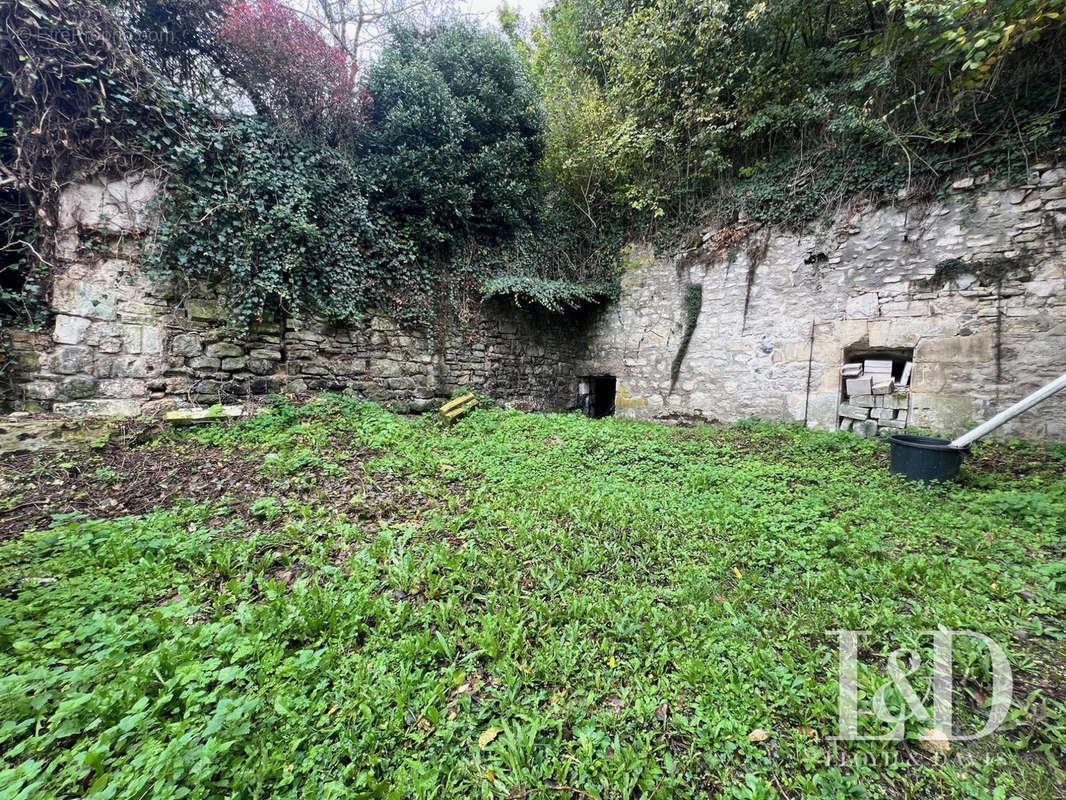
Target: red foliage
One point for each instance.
(288, 68)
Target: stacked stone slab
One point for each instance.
(873, 403)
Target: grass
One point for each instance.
(339, 602)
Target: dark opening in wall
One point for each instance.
(595, 395)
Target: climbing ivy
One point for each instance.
(988, 271)
(693, 306)
(276, 222)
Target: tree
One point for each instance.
(361, 27)
(290, 72)
(454, 137)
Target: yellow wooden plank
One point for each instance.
(455, 413)
(459, 401)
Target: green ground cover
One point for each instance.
(335, 601)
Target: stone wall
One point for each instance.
(780, 314)
(125, 343)
(781, 310)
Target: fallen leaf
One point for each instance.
(485, 739)
(758, 735)
(737, 573)
(933, 740)
(611, 662)
(662, 712)
(490, 775)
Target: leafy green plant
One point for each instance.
(526, 602)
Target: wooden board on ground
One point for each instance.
(200, 416)
(453, 409)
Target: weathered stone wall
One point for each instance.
(780, 309)
(125, 343)
(780, 312)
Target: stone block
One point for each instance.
(883, 387)
(897, 400)
(151, 340)
(204, 311)
(122, 388)
(872, 367)
(40, 390)
(263, 385)
(77, 387)
(121, 206)
(297, 386)
(205, 363)
(131, 338)
(856, 386)
(846, 423)
(1053, 177)
(72, 359)
(385, 368)
(187, 344)
(853, 412)
(864, 400)
(867, 429)
(131, 367)
(882, 414)
(852, 370)
(270, 355)
(70, 330)
(193, 416)
(976, 349)
(83, 298)
(98, 408)
(206, 387)
(261, 366)
(233, 364)
(864, 306)
(224, 350)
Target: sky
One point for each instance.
(528, 8)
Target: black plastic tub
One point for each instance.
(925, 458)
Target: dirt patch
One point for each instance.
(998, 459)
(116, 481)
(119, 480)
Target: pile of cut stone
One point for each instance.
(874, 402)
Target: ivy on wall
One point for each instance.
(279, 223)
(693, 307)
(432, 195)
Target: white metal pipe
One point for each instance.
(1005, 416)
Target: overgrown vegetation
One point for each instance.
(406, 191)
(660, 107)
(357, 604)
(464, 162)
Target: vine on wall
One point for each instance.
(693, 306)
